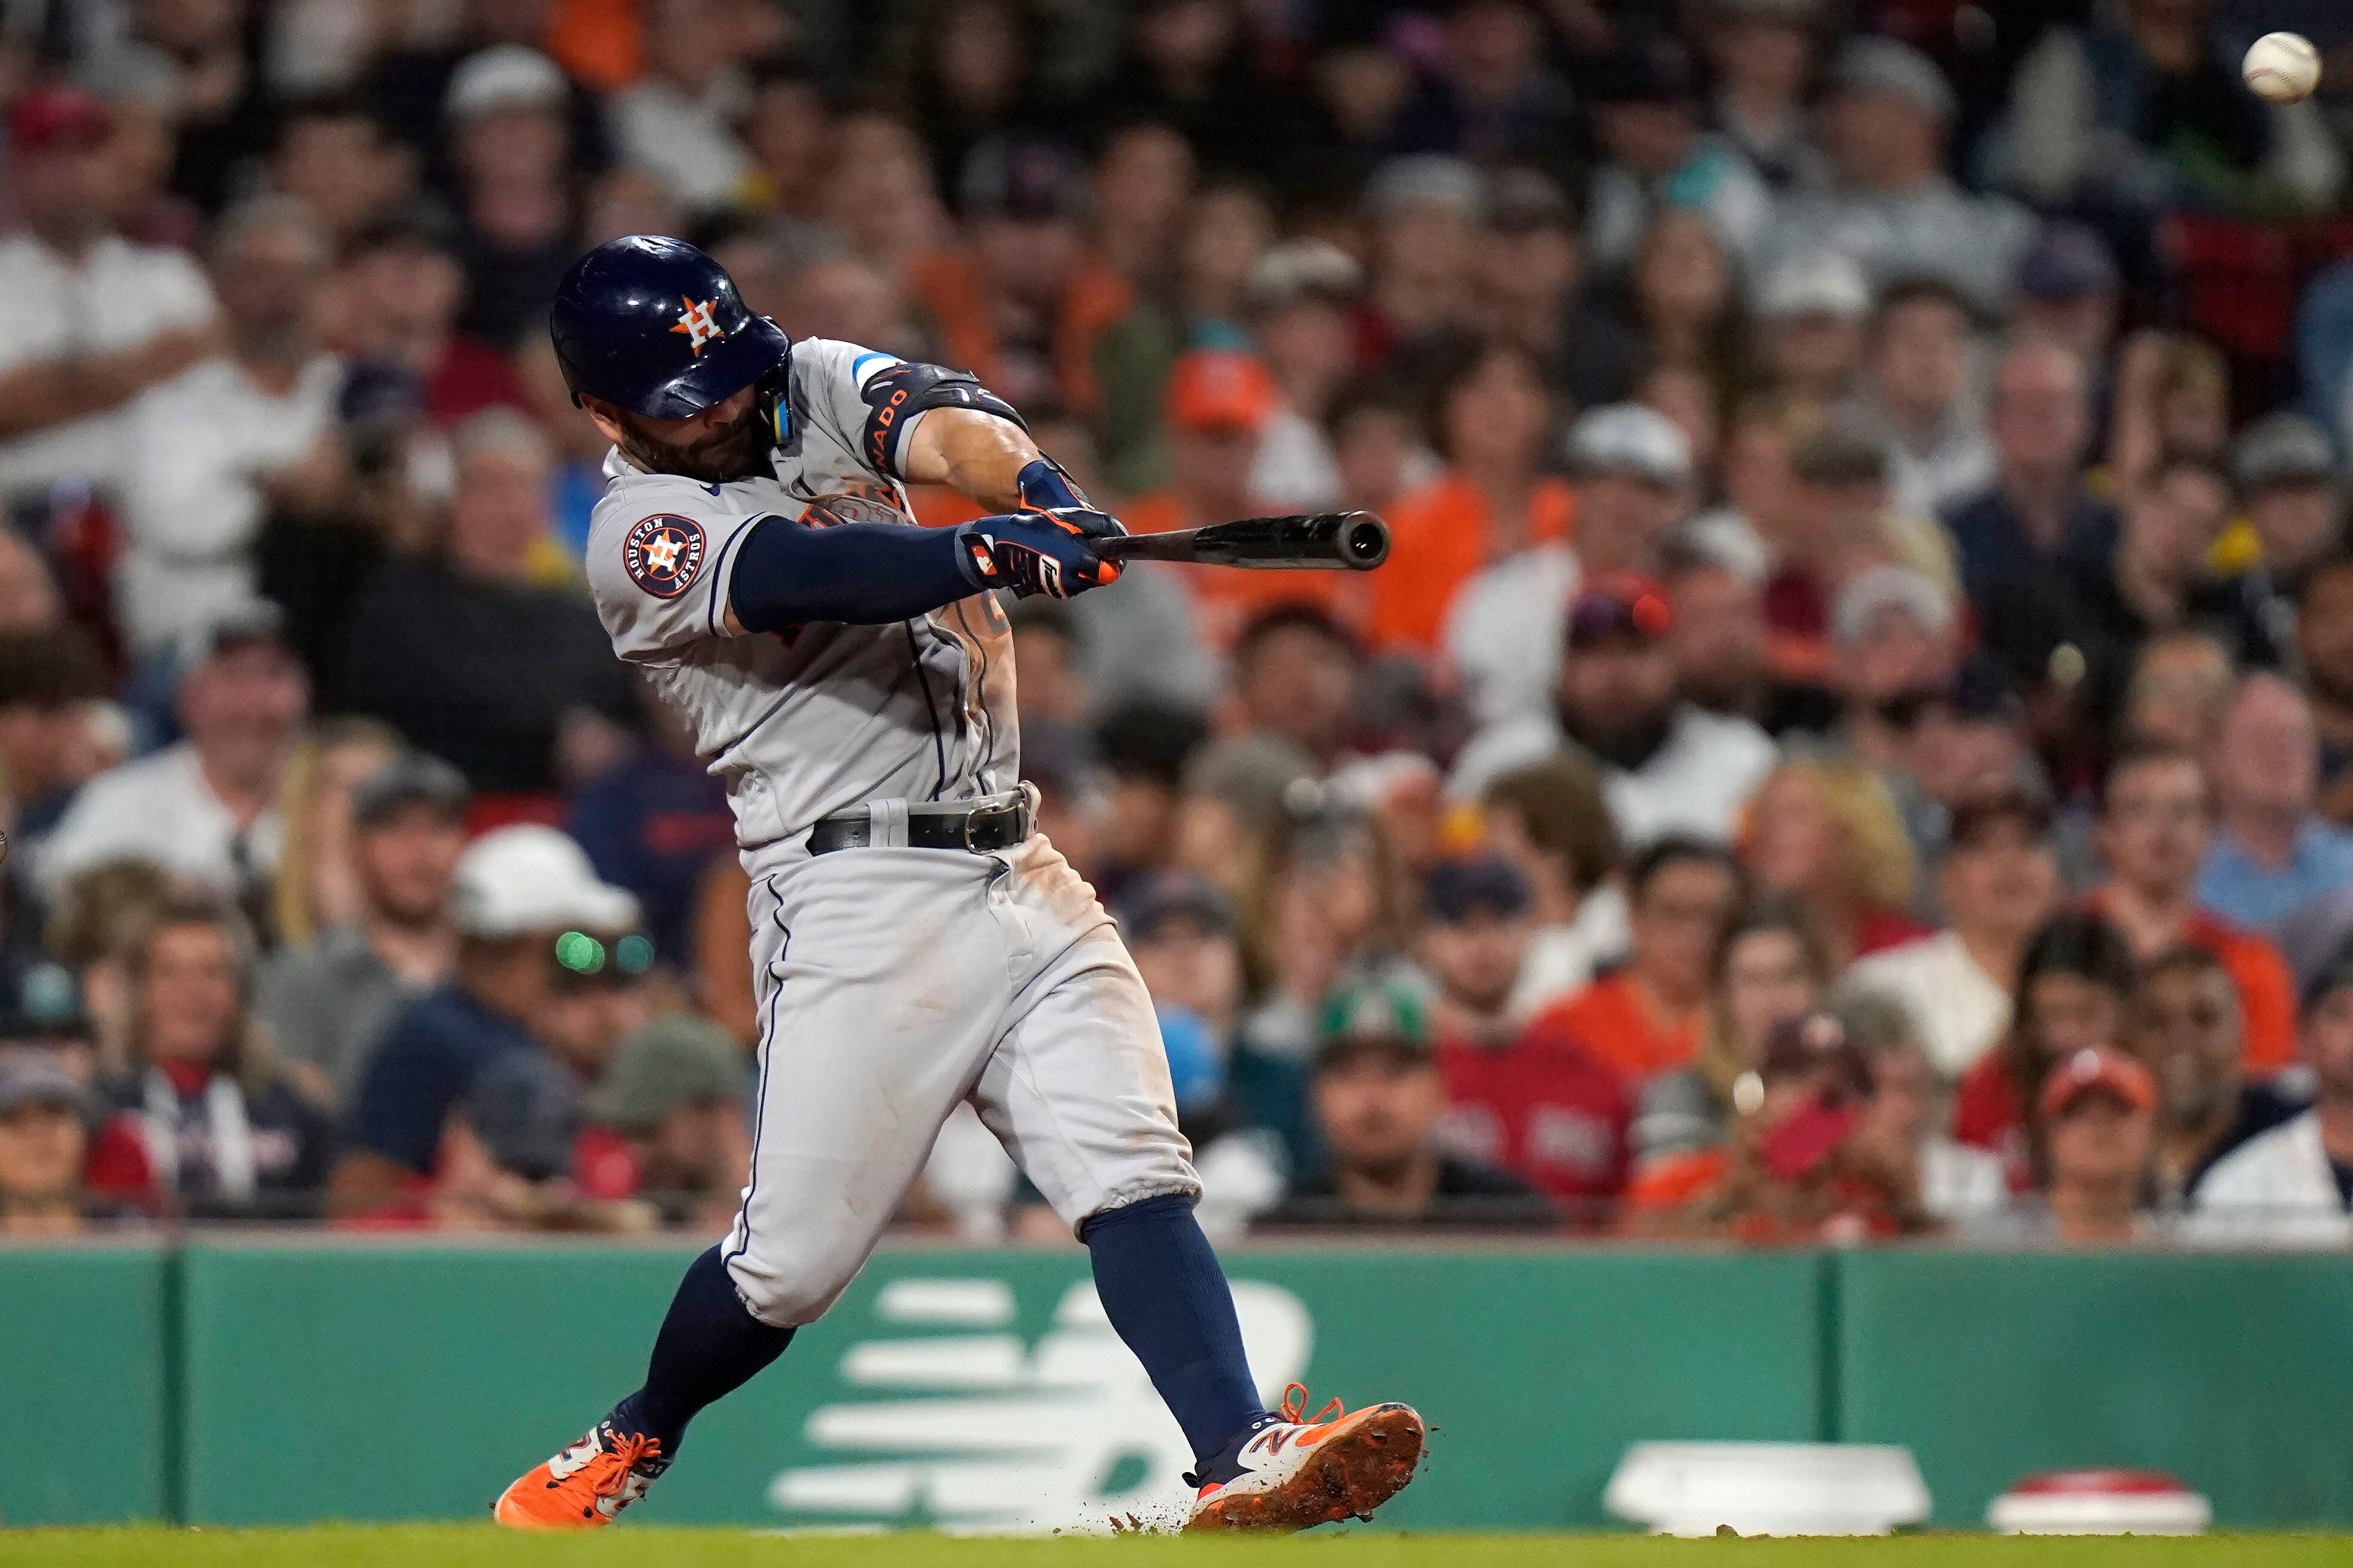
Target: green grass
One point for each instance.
(430, 1546)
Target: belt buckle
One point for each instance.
(990, 813)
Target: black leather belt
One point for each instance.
(977, 828)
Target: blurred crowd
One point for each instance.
(1854, 739)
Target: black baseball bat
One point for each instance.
(1307, 542)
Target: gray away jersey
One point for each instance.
(802, 724)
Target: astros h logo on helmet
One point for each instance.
(699, 325)
(663, 554)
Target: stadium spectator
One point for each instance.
(205, 808)
(667, 1124)
(1809, 318)
(331, 153)
(1217, 403)
(2156, 820)
(1484, 527)
(326, 1001)
(1300, 299)
(1143, 751)
(1999, 881)
(2154, 579)
(208, 454)
(2037, 513)
(423, 634)
(1763, 52)
(2186, 1030)
(1669, 767)
(2290, 1186)
(1790, 1173)
(1379, 1100)
(1891, 640)
(204, 1124)
(509, 1155)
(678, 121)
(1836, 527)
(1491, 94)
(1549, 820)
(2273, 854)
(90, 321)
(1889, 203)
(1423, 209)
(1649, 1018)
(1823, 830)
(517, 890)
(653, 823)
(1717, 633)
(2284, 469)
(1656, 153)
(1295, 676)
(318, 881)
(1679, 307)
(1186, 941)
(395, 309)
(1769, 967)
(1537, 1104)
(1632, 470)
(2179, 691)
(50, 740)
(514, 189)
(43, 1140)
(1903, 1131)
(1019, 302)
(2097, 1115)
(1530, 266)
(2323, 647)
(2076, 982)
(1920, 384)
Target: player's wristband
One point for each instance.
(1045, 485)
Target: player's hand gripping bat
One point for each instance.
(1312, 541)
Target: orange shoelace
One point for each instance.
(629, 1449)
(1294, 1407)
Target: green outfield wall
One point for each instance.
(247, 1383)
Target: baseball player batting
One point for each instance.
(917, 943)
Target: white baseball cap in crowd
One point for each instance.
(514, 881)
(1872, 593)
(1628, 438)
(504, 76)
(1815, 283)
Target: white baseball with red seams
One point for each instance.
(2282, 67)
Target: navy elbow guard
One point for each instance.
(897, 395)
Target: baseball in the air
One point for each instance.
(2283, 67)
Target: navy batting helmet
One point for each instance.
(655, 326)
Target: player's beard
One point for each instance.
(732, 452)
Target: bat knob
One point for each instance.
(1365, 541)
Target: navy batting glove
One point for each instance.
(1045, 485)
(1047, 553)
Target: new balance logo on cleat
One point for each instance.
(585, 1487)
(1290, 1473)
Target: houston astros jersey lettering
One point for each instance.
(824, 718)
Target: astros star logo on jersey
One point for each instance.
(699, 325)
(663, 554)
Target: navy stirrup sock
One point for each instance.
(710, 1346)
(1163, 1291)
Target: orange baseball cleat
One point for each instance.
(586, 1486)
(1290, 1473)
